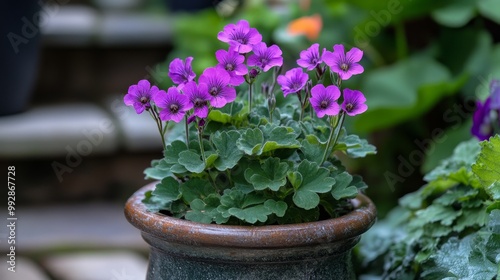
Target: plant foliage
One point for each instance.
(450, 228)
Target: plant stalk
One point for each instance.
(334, 133)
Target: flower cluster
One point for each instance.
(486, 119)
(286, 151)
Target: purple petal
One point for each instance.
(354, 55)
(143, 86)
(139, 108)
(201, 112)
(356, 68)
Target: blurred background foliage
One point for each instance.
(426, 62)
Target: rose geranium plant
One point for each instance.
(256, 146)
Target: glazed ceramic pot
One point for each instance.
(182, 249)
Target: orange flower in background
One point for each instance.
(310, 26)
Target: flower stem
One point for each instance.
(334, 135)
(250, 90)
(200, 140)
(186, 128)
(159, 125)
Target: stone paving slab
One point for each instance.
(119, 265)
(25, 269)
(139, 132)
(91, 225)
(79, 25)
(71, 130)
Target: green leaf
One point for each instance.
(487, 166)
(471, 218)
(276, 207)
(195, 188)
(439, 213)
(167, 190)
(277, 137)
(456, 14)
(463, 156)
(343, 188)
(251, 141)
(353, 146)
(218, 116)
(490, 9)
(205, 211)
(228, 156)
(270, 175)
(267, 138)
(314, 180)
(313, 149)
(191, 161)
(158, 170)
(173, 151)
(251, 214)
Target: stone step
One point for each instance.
(116, 265)
(24, 269)
(58, 130)
(90, 225)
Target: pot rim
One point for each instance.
(182, 231)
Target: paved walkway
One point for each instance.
(74, 242)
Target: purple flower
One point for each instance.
(310, 58)
(217, 81)
(174, 105)
(232, 62)
(293, 81)
(345, 65)
(139, 96)
(265, 57)
(354, 102)
(199, 98)
(495, 94)
(324, 100)
(240, 36)
(481, 122)
(181, 72)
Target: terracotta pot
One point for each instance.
(183, 249)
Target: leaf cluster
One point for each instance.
(449, 229)
(252, 170)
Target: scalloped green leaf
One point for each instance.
(205, 211)
(354, 146)
(195, 188)
(228, 156)
(343, 187)
(278, 137)
(158, 170)
(172, 152)
(271, 174)
(314, 180)
(456, 14)
(251, 141)
(277, 207)
(487, 166)
(313, 149)
(167, 190)
(251, 214)
(191, 161)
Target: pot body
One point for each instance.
(182, 249)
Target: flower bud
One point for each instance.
(191, 119)
(253, 73)
(271, 102)
(201, 123)
(265, 89)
